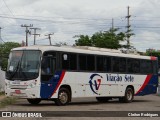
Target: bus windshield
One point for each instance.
(23, 65)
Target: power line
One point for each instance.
(146, 27)
(65, 22)
(7, 18)
(8, 7)
(75, 18)
(56, 21)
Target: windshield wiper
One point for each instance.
(15, 71)
(17, 67)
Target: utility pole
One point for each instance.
(112, 28)
(0, 35)
(128, 27)
(1, 40)
(27, 31)
(35, 34)
(49, 37)
(112, 23)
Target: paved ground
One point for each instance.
(142, 103)
(2, 97)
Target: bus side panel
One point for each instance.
(91, 85)
(149, 87)
(49, 88)
(97, 84)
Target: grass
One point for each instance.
(7, 101)
(2, 93)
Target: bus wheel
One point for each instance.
(102, 99)
(34, 101)
(129, 95)
(63, 97)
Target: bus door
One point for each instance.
(48, 68)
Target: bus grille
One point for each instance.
(21, 95)
(18, 87)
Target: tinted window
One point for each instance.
(155, 67)
(65, 61)
(133, 65)
(107, 64)
(82, 62)
(122, 65)
(90, 63)
(48, 65)
(73, 61)
(146, 66)
(99, 63)
(103, 63)
(69, 61)
(115, 64)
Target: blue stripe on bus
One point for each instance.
(49, 87)
(150, 88)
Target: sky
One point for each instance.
(67, 18)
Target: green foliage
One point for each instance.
(2, 93)
(4, 52)
(7, 101)
(153, 53)
(108, 39)
(4, 63)
(83, 40)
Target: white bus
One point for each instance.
(61, 73)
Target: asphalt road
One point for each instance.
(140, 103)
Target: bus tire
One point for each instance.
(34, 101)
(63, 97)
(129, 95)
(102, 99)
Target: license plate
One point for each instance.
(17, 91)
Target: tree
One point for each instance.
(83, 40)
(4, 53)
(155, 53)
(151, 52)
(108, 39)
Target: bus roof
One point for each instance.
(83, 50)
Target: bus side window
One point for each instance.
(65, 61)
(73, 61)
(146, 67)
(133, 65)
(99, 63)
(103, 63)
(107, 64)
(122, 65)
(90, 63)
(48, 66)
(69, 61)
(155, 67)
(82, 62)
(115, 64)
